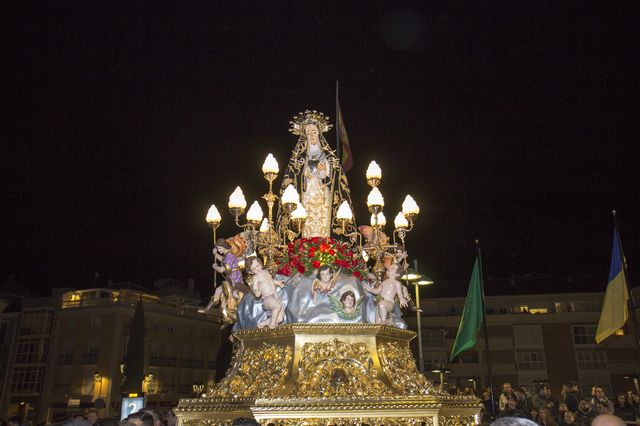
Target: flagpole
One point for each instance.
(625, 273)
(486, 334)
(337, 121)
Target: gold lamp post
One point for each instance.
(213, 220)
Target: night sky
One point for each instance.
(513, 122)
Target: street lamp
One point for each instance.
(97, 378)
(441, 369)
(412, 275)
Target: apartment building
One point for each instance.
(532, 338)
(69, 356)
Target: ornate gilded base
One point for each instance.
(326, 374)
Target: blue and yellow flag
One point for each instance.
(615, 311)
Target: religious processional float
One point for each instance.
(318, 333)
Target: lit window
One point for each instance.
(619, 332)
(538, 311)
(523, 309)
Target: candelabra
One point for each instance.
(376, 243)
(260, 232)
(269, 242)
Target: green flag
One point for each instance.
(471, 320)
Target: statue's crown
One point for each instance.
(309, 117)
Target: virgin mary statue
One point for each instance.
(315, 171)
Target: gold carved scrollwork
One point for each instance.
(464, 420)
(397, 362)
(206, 422)
(337, 369)
(256, 372)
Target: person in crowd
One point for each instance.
(562, 408)
(487, 402)
(79, 420)
(523, 401)
(635, 402)
(533, 415)
(607, 420)
(91, 416)
(141, 419)
(586, 413)
(171, 418)
(512, 410)
(542, 399)
(602, 409)
(513, 421)
(545, 418)
(623, 409)
(507, 392)
(569, 419)
(598, 396)
(572, 396)
(157, 417)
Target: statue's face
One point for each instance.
(325, 275)
(256, 267)
(392, 270)
(311, 132)
(349, 302)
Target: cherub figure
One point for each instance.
(388, 290)
(373, 236)
(232, 289)
(347, 308)
(264, 286)
(395, 254)
(326, 282)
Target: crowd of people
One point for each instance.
(573, 408)
(144, 417)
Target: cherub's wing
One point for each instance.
(335, 304)
(356, 311)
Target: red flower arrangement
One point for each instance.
(308, 254)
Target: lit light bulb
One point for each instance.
(299, 213)
(290, 195)
(236, 200)
(270, 165)
(213, 215)
(264, 226)
(409, 206)
(375, 198)
(255, 213)
(382, 220)
(374, 171)
(400, 221)
(344, 212)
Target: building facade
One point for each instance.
(69, 356)
(532, 338)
